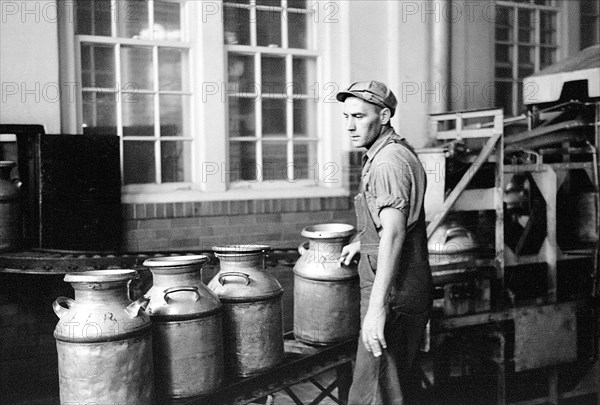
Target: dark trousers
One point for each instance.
(390, 378)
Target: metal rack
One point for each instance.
(542, 332)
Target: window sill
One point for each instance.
(240, 194)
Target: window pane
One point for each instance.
(525, 71)
(273, 117)
(273, 76)
(590, 7)
(547, 28)
(169, 69)
(172, 117)
(270, 3)
(242, 161)
(300, 69)
(526, 56)
(237, 26)
(241, 117)
(296, 4)
(99, 109)
(275, 161)
(547, 57)
(238, 1)
(504, 16)
(305, 118)
(503, 34)
(167, 21)
(520, 97)
(504, 53)
(241, 74)
(136, 68)
(504, 97)
(93, 18)
(175, 160)
(132, 19)
(138, 162)
(297, 30)
(504, 72)
(138, 114)
(526, 26)
(98, 66)
(589, 31)
(305, 162)
(268, 28)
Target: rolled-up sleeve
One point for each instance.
(392, 184)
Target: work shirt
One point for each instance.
(392, 176)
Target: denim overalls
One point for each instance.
(387, 379)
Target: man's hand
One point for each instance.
(372, 330)
(348, 252)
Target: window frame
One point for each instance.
(595, 17)
(289, 140)
(209, 118)
(514, 43)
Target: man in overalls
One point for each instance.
(395, 277)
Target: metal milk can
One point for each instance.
(187, 328)
(104, 342)
(10, 209)
(326, 293)
(252, 309)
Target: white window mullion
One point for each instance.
(155, 98)
(258, 117)
(253, 35)
(114, 17)
(284, 26)
(515, 65)
(289, 109)
(79, 94)
(157, 124)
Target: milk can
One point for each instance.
(252, 309)
(326, 293)
(104, 342)
(10, 212)
(187, 328)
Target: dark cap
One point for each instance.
(373, 92)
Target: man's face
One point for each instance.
(363, 122)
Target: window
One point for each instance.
(526, 40)
(134, 73)
(272, 63)
(590, 23)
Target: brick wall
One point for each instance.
(203, 224)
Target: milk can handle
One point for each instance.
(303, 248)
(236, 274)
(191, 288)
(452, 232)
(133, 309)
(59, 303)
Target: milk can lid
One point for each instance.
(240, 249)
(96, 276)
(183, 260)
(328, 231)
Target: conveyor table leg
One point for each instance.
(344, 378)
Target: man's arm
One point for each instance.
(393, 223)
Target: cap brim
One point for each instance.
(343, 95)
